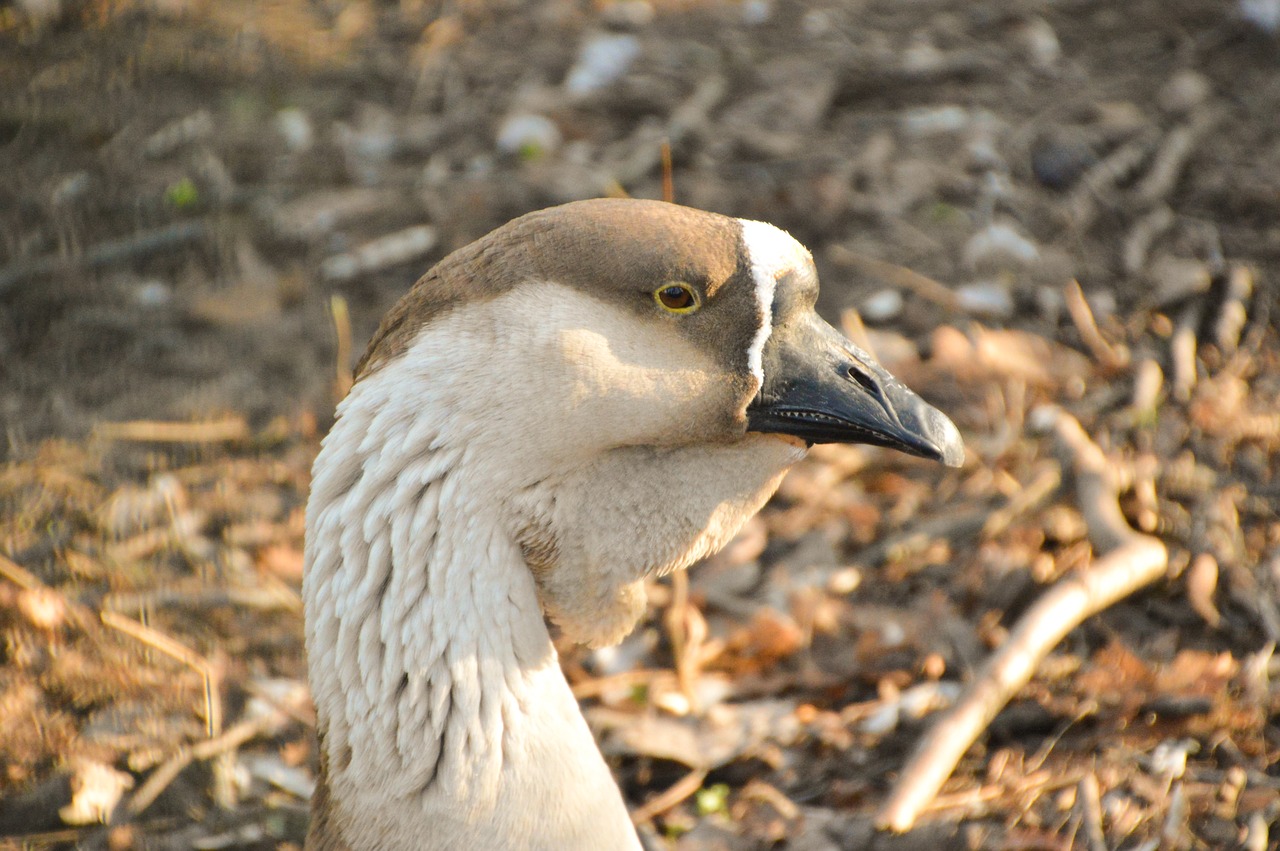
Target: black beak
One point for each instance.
(823, 389)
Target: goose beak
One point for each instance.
(823, 389)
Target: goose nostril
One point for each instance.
(867, 382)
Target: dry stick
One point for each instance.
(1172, 157)
(1128, 562)
(1098, 185)
(1144, 233)
(77, 614)
(1030, 496)
(175, 649)
(688, 117)
(1182, 351)
(900, 276)
(1111, 358)
(668, 179)
(677, 792)
(268, 595)
(237, 735)
(855, 329)
(687, 633)
(1089, 797)
(1234, 313)
(105, 253)
(20, 576)
(626, 679)
(224, 430)
(343, 378)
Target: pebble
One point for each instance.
(373, 137)
(1263, 14)
(1177, 278)
(318, 213)
(1057, 161)
(529, 135)
(627, 655)
(1169, 758)
(603, 59)
(152, 294)
(984, 128)
(882, 306)
(70, 188)
(175, 134)
(294, 126)
(985, 299)
(1040, 43)
(1000, 245)
(756, 12)
(1183, 92)
(381, 253)
(913, 703)
(96, 790)
(934, 120)
(816, 23)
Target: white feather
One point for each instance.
(771, 252)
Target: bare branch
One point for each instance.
(1130, 561)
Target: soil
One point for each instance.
(206, 207)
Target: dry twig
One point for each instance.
(129, 247)
(685, 119)
(1089, 799)
(1172, 157)
(225, 430)
(343, 378)
(899, 276)
(1098, 185)
(175, 649)
(1182, 352)
(687, 631)
(1142, 235)
(681, 789)
(1128, 562)
(233, 738)
(1111, 358)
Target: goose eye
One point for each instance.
(677, 298)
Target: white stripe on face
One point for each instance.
(771, 252)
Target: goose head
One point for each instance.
(588, 396)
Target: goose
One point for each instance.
(590, 395)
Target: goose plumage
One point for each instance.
(591, 395)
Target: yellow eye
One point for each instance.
(677, 298)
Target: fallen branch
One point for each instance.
(899, 276)
(1098, 186)
(1112, 358)
(235, 736)
(106, 253)
(689, 117)
(1129, 561)
(175, 649)
(225, 430)
(1172, 157)
(343, 377)
(681, 789)
(1182, 351)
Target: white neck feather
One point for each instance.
(446, 720)
(443, 705)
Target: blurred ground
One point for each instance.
(205, 207)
